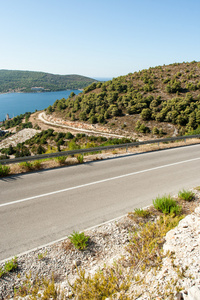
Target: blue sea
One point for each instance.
(15, 104)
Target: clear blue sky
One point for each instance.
(97, 38)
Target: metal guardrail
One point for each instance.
(94, 149)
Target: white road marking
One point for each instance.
(96, 182)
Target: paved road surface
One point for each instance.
(38, 208)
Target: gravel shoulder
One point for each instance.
(107, 244)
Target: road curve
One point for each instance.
(42, 118)
(38, 208)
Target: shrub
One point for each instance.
(155, 130)
(61, 159)
(2, 272)
(79, 240)
(4, 170)
(37, 165)
(146, 114)
(143, 213)
(69, 136)
(11, 265)
(186, 195)
(145, 246)
(101, 285)
(80, 158)
(26, 166)
(40, 150)
(167, 205)
(34, 288)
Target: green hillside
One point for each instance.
(26, 81)
(157, 101)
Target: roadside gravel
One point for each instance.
(107, 244)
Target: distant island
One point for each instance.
(31, 81)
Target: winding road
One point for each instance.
(41, 207)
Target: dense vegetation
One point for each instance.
(143, 100)
(20, 121)
(51, 141)
(26, 81)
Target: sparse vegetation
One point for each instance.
(42, 255)
(125, 277)
(42, 288)
(145, 245)
(9, 266)
(101, 285)
(142, 213)
(186, 195)
(156, 96)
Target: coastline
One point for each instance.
(18, 102)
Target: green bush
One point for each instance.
(37, 165)
(79, 240)
(155, 130)
(40, 149)
(11, 265)
(186, 195)
(61, 159)
(69, 136)
(80, 158)
(167, 205)
(143, 213)
(4, 170)
(26, 166)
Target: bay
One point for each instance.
(15, 104)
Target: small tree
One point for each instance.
(40, 150)
(146, 114)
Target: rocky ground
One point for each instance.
(107, 244)
(19, 137)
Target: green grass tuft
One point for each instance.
(143, 213)
(186, 195)
(167, 205)
(4, 170)
(79, 240)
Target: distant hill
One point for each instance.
(29, 81)
(164, 100)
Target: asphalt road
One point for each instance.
(41, 207)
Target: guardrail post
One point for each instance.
(158, 144)
(126, 148)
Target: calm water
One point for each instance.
(18, 103)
